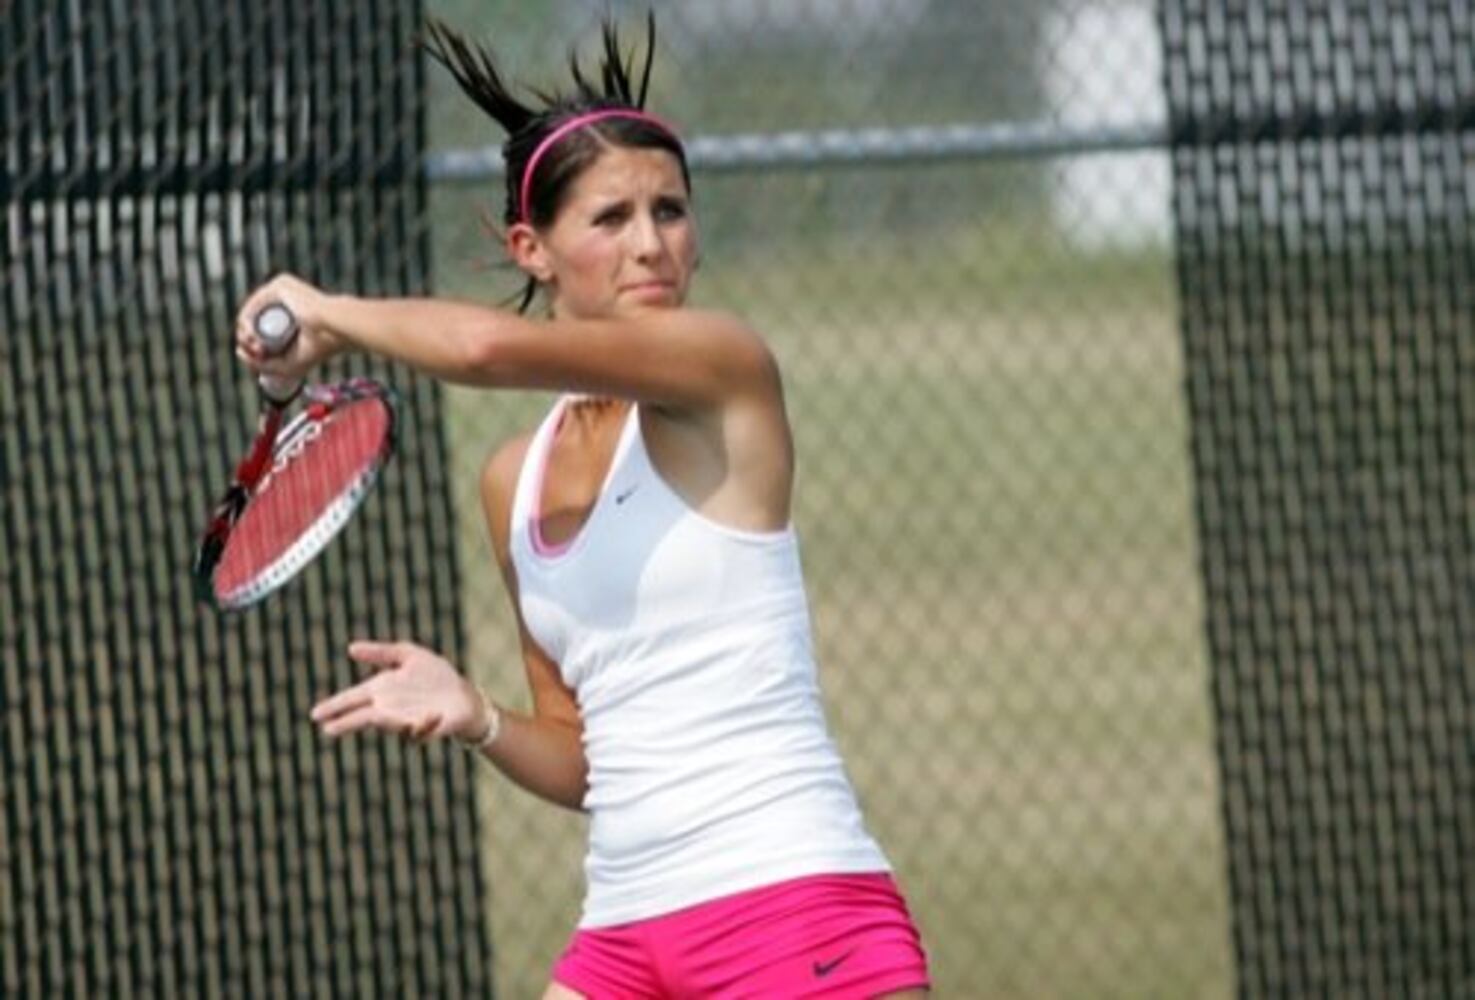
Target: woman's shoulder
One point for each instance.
(503, 465)
(499, 478)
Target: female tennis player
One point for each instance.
(643, 530)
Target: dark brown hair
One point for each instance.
(474, 68)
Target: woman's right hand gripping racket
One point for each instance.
(299, 484)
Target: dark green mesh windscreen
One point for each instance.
(170, 824)
(1324, 197)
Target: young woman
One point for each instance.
(644, 535)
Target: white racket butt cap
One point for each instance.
(276, 327)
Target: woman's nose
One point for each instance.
(645, 237)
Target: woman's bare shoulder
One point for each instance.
(499, 485)
(504, 462)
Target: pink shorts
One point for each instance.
(818, 936)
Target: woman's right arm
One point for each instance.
(544, 751)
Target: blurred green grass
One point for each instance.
(993, 501)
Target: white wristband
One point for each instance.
(494, 725)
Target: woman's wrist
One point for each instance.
(340, 313)
(488, 735)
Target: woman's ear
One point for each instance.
(525, 249)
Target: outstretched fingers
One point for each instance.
(412, 692)
(380, 655)
(335, 706)
(370, 716)
(364, 716)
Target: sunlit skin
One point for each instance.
(624, 238)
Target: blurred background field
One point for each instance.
(984, 374)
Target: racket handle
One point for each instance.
(276, 328)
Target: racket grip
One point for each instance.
(276, 328)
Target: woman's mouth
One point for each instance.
(651, 290)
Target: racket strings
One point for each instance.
(250, 588)
(320, 472)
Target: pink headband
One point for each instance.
(577, 122)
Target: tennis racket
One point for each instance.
(300, 482)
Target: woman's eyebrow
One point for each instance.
(602, 205)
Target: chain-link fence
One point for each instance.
(170, 823)
(1323, 201)
(1126, 348)
(982, 361)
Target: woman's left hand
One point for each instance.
(413, 693)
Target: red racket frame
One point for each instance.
(271, 443)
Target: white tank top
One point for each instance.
(687, 644)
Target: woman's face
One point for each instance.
(624, 239)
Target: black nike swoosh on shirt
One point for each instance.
(822, 969)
